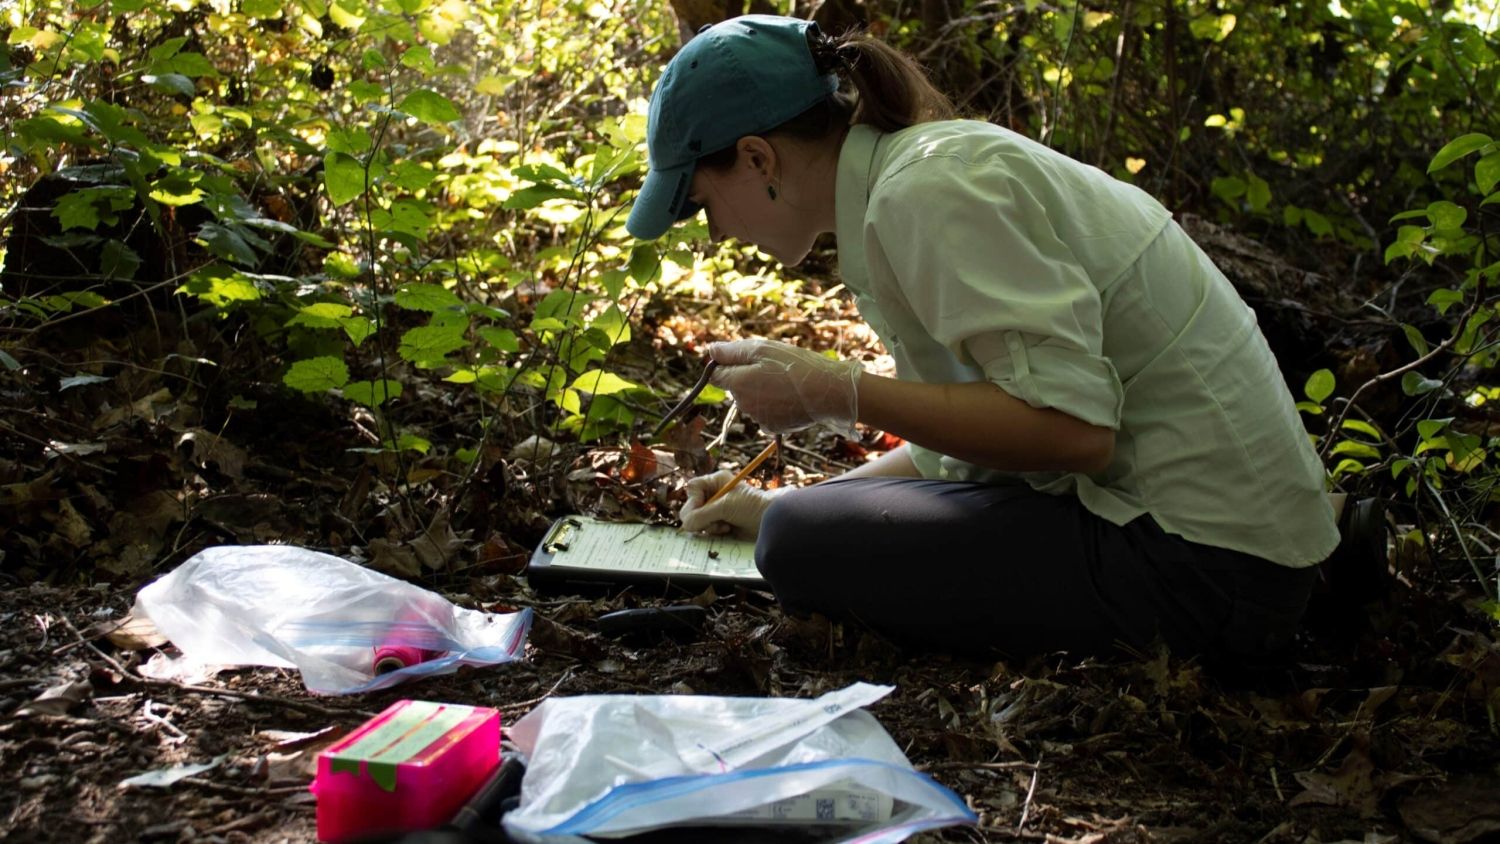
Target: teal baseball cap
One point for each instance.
(745, 75)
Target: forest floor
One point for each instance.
(1381, 727)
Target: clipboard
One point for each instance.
(584, 550)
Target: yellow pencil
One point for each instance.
(742, 474)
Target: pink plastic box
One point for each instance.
(411, 767)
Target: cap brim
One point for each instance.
(661, 202)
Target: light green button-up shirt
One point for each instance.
(977, 254)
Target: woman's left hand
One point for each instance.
(785, 388)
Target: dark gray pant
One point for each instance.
(1008, 571)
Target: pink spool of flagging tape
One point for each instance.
(390, 658)
(410, 767)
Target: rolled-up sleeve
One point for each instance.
(988, 277)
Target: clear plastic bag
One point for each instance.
(289, 607)
(607, 766)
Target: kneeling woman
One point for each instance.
(1102, 450)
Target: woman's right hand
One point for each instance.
(739, 512)
(786, 389)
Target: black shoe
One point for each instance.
(1357, 571)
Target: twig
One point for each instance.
(1030, 792)
(527, 704)
(242, 790)
(984, 766)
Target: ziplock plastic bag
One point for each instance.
(288, 607)
(607, 766)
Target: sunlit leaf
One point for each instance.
(344, 177)
(602, 383)
(1458, 148)
(1363, 427)
(1319, 385)
(427, 297)
(412, 442)
(503, 339)
(1446, 215)
(428, 344)
(358, 328)
(430, 106)
(321, 315)
(1487, 172)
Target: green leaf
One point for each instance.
(418, 58)
(537, 194)
(354, 141)
(1487, 172)
(86, 208)
(1258, 194)
(503, 339)
(372, 393)
(412, 442)
(1365, 428)
(428, 344)
(1319, 385)
(230, 244)
(1429, 428)
(430, 106)
(1446, 215)
(358, 328)
(1310, 408)
(1415, 338)
(1355, 448)
(428, 297)
(1444, 298)
(645, 262)
(1416, 384)
(1291, 215)
(116, 260)
(601, 383)
(9, 362)
(412, 175)
(613, 282)
(613, 327)
(220, 286)
(186, 64)
(315, 375)
(1316, 223)
(1458, 148)
(321, 315)
(171, 83)
(1228, 188)
(344, 176)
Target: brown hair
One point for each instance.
(891, 92)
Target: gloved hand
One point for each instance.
(738, 512)
(785, 388)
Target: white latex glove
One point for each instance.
(738, 512)
(785, 388)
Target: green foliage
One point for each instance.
(1439, 454)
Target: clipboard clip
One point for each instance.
(561, 534)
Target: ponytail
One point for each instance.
(893, 90)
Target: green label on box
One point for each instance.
(410, 731)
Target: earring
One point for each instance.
(771, 191)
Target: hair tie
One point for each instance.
(830, 56)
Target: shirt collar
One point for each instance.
(856, 172)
